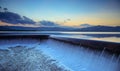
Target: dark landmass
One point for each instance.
(88, 29)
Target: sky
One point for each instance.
(68, 12)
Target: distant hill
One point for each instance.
(100, 28)
(88, 29)
(85, 25)
(14, 18)
(20, 28)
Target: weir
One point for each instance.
(93, 44)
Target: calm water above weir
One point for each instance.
(100, 36)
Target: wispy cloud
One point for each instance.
(46, 23)
(19, 24)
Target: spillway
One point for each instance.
(75, 57)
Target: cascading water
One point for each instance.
(75, 57)
(79, 58)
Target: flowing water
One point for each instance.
(80, 58)
(77, 58)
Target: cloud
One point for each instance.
(85, 25)
(10, 17)
(14, 19)
(19, 24)
(67, 20)
(48, 23)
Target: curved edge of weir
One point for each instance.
(111, 47)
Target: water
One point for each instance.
(80, 58)
(75, 57)
(100, 36)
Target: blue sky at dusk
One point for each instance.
(94, 12)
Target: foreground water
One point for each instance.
(77, 58)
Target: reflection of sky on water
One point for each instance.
(90, 32)
(109, 39)
(101, 36)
